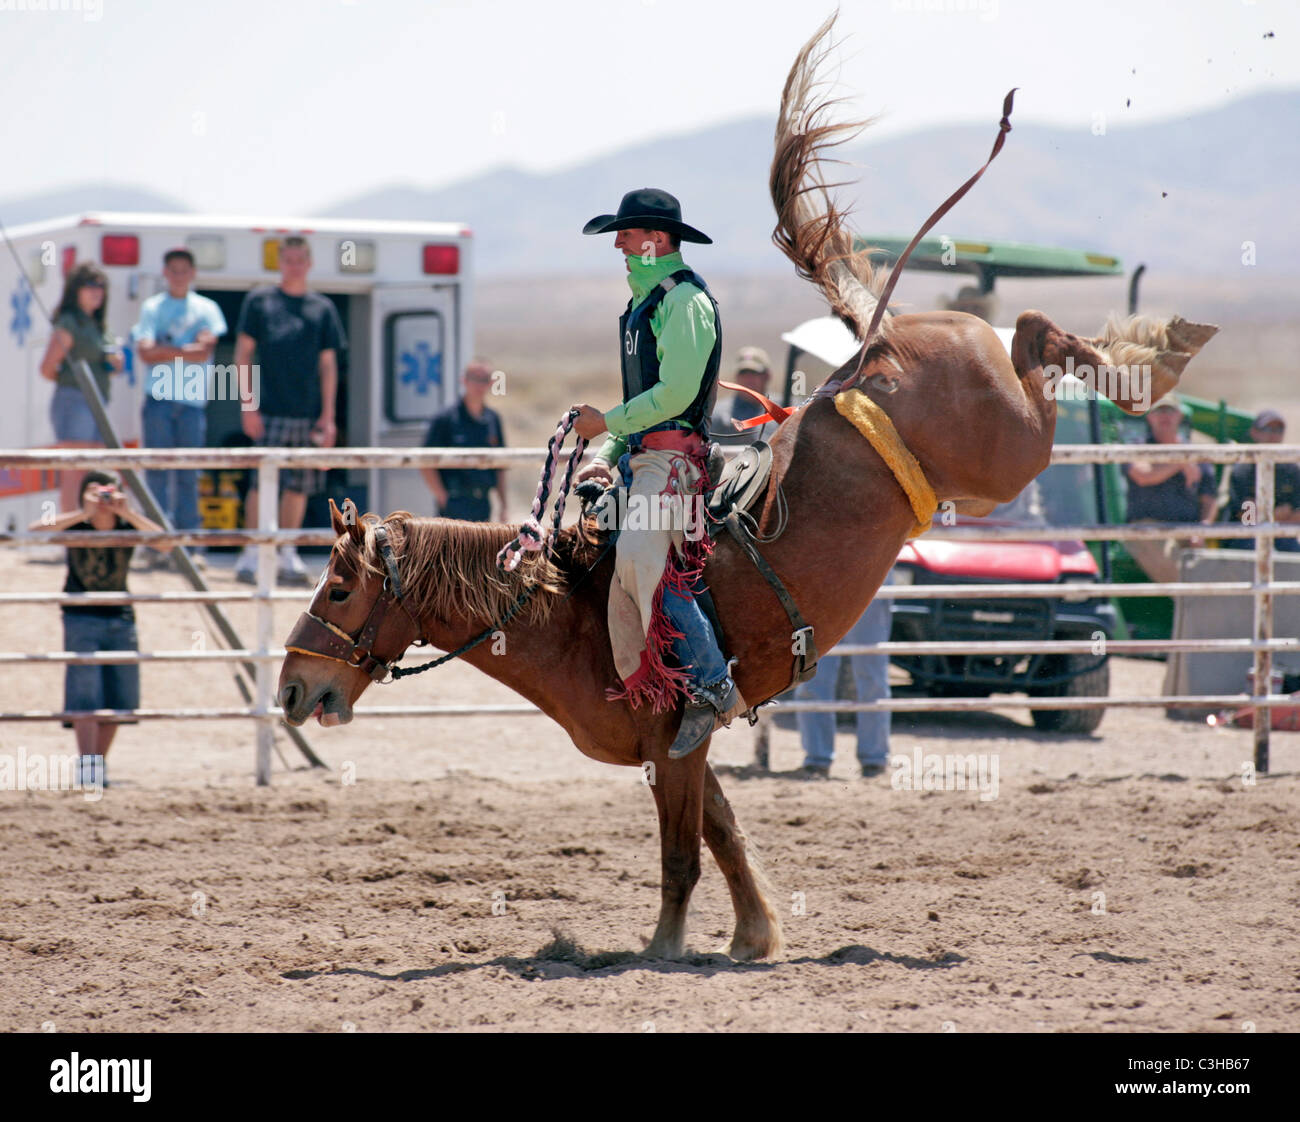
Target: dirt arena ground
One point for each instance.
(479, 873)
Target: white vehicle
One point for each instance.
(402, 290)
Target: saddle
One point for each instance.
(734, 489)
(739, 484)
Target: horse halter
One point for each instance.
(312, 635)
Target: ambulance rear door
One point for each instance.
(416, 360)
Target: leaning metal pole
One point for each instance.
(133, 479)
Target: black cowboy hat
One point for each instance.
(647, 209)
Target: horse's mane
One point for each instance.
(449, 568)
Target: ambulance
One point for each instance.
(402, 290)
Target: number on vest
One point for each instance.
(631, 340)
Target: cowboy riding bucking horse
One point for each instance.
(670, 343)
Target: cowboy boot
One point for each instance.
(709, 707)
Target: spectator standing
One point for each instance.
(466, 493)
(99, 627)
(1167, 493)
(753, 371)
(871, 676)
(296, 335)
(80, 332)
(177, 326)
(1268, 428)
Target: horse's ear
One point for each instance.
(337, 520)
(352, 521)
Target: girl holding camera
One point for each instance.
(99, 627)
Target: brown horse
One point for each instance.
(979, 423)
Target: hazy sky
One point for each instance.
(281, 107)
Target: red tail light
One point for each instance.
(119, 249)
(442, 259)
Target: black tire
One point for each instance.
(1091, 683)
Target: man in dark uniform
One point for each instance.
(670, 340)
(466, 493)
(1269, 428)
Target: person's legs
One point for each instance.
(157, 428)
(697, 646)
(83, 686)
(817, 730)
(105, 731)
(86, 730)
(286, 432)
(293, 506)
(191, 430)
(296, 485)
(121, 680)
(246, 562)
(871, 675)
(639, 559)
(74, 427)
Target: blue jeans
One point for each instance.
(112, 686)
(173, 424)
(697, 649)
(71, 418)
(871, 675)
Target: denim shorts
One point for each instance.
(100, 687)
(72, 418)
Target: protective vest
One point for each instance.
(640, 351)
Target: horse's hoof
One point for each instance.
(746, 951)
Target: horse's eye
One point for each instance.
(338, 595)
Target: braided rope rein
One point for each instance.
(531, 538)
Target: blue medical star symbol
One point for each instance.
(21, 301)
(423, 367)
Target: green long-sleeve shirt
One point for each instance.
(685, 332)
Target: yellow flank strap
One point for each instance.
(874, 423)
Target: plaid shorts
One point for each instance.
(292, 432)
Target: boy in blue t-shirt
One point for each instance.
(174, 340)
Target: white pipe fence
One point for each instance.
(268, 537)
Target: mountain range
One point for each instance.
(1183, 195)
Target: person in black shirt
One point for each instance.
(1268, 428)
(1167, 493)
(465, 493)
(99, 627)
(297, 336)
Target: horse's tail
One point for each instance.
(1164, 347)
(763, 887)
(1146, 356)
(809, 226)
